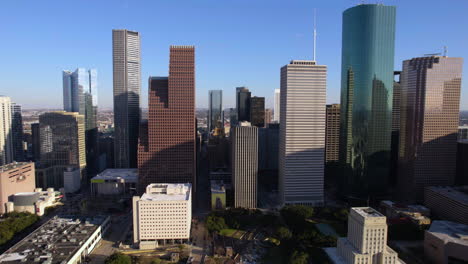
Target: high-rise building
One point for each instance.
(17, 130)
(395, 140)
(215, 109)
(463, 132)
(163, 214)
(461, 178)
(6, 134)
(62, 137)
(366, 241)
(430, 92)
(302, 132)
(127, 81)
(244, 159)
(268, 116)
(232, 117)
(36, 141)
(276, 109)
(243, 104)
(257, 111)
(366, 99)
(332, 133)
(166, 151)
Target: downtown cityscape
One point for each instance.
(163, 170)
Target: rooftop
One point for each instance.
(217, 186)
(167, 192)
(56, 241)
(450, 231)
(367, 212)
(459, 194)
(13, 165)
(129, 175)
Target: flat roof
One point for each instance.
(367, 212)
(182, 192)
(457, 194)
(13, 165)
(130, 175)
(217, 186)
(449, 231)
(56, 241)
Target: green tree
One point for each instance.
(298, 257)
(118, 258)
(283, 233)
(295, 216)
(215, 223)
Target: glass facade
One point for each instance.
(243, 104)
(368, 49)
(215, 118)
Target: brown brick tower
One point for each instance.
(166, 151)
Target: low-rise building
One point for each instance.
(33, 202)
(446, 242)
(366, 242)
(72, 179)
(218, 195)
(115, 182)
(448, 203)
(163, 214)
(416, 214)
(64, 240)
(15, 177)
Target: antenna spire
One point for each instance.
(315, 33)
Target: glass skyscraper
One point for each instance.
(215, 112)
(368, 49)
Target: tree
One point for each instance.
(283, 233)
(295, 216)
(215, 223)
(118, 258)
(298, 257)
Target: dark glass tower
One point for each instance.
(366, 98)
(215, 112)
(257, 111)
(243, 104)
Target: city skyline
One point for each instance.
(211, 74)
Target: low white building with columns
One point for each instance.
(163, 214)
(366, 242)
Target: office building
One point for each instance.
(462, 164)
(72, 179)
(162, 215)
(268, 147)
(215, 109)
(446, 242)
(257, 111)
(106, 152)
(395, 140)
(62, 140)
(366, 241)
(6, 134)
(276, 109)
(14, 178)
(431, 88)
(115, 182)
(232, 117)
(448, 203)
(463, 132)
(366, 99)
(80, 95)
(17, 130)
(243, 104)
(36, 141)
(127, 82)
(268, 116)
(167, 141)
(302, 132)
(332, 133)
(244, 159)
(64, 240)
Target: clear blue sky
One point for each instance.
(238, 42)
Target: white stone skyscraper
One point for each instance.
(302, 132)
(244, 158)
(276, 110)
(6, 135)
(127, 82)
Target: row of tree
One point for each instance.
(14, 223)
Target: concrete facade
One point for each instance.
(449, 203)
(446, 242)
(6, 135)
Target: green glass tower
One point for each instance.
(366, 99)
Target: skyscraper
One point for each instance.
(430, 94)
(302, 132)
(368, 47)
(80, 95)
(332, 134)
(127, 71)
(276, 109)
(243, 104)
(268, 116)
(62, 136)
(36, 141)
(244, 158)
(6, 135)
(166, 152)
(215, 109)
(17, 130)
(257, 111)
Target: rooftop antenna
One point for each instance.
(315, 33)
(445, 51)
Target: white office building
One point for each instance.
(366, 242)
(6, 134)
(302, 132)
(162, 215)
(276, 110)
